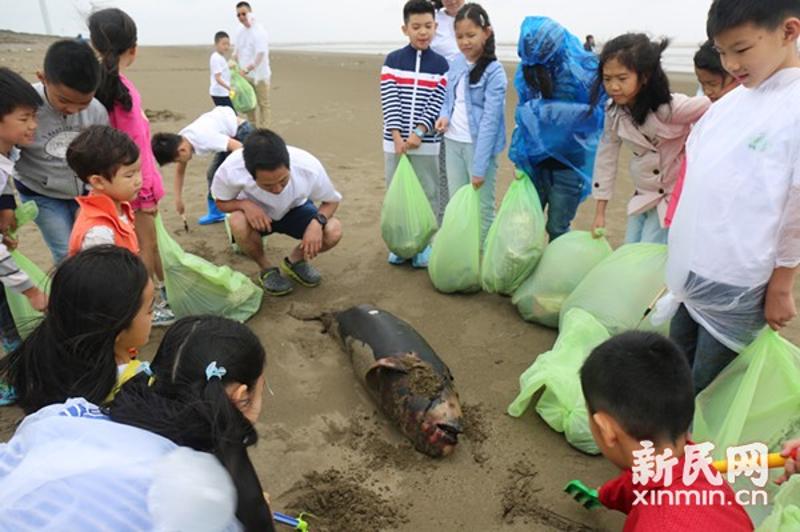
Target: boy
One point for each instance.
(107, 160)
(413, 87)
(218, 131)
(638, 388)
(268, 188)
(18, 105)
(734, 246)
(715, 81)
(67, 86)
(220, 89)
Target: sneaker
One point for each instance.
(7, 394)
(274, 283)
(163, 315)
(422, 258)
(395, 260)
(302, 272)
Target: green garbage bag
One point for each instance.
(785, 516)
(454, 265)
(515, 240)
(562, 404)
(619, 290)
(195, 286)
(25, 316)
(244, 95)
(407, 220)
(565, 262)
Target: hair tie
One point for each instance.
(213, 371)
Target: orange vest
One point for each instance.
(99, 209)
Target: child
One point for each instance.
(206, 394)
(734, 247)
(113, 35)
(653, 123)
(18, 104)
(99, 313)
(473, 115)
(67, 87)
(268, 188)
(638, 388)
(217, 132)
(413, 87)
(107, 160)
(220, 89)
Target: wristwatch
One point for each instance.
(321, 218)
(418, 132)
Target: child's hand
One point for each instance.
(399, 146)
(231, 94)
(791, 466)
(37, 298)
(10, 242)
(413, 142)
(477, 182)
(179, 206)
(779, 308)
(599, 226)
(256, 217)
(8, 220)
(442, 124)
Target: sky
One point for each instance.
(317, 21)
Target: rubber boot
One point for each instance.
(214, 215)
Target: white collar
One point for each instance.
(7, 163)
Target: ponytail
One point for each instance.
(113, 33)
(480, 18)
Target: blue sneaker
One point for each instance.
(7, 394)
(394, 259)
(421, 259)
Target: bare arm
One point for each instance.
(180, 174)
(218, 77)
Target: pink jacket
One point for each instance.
(136, 125)
(658, 151)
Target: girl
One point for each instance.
(473, 115)
(652, 122)
(100, 311)
(205, 393)
(113, 35)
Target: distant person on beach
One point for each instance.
(444, 42)
(644, 115)
(589, 44)
(413, 88)
(252, 53)
(220, 88)
(218, 132)
(67, 87)
(268, 187)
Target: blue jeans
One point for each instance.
(646, 227)
(560, 193)
(55, 220)
(244, 129)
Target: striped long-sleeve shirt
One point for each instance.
(413, 87)
(10, 274)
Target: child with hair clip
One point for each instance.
(113, 35)
(472, 117)
(654, 123)
(205, 393)
(99, 314)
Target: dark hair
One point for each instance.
(480, 18)
(191, 409)
(437, 4)
(264, 150)
(707, 58)
(636, 52)
(165, 147)
(219, 36)
(538, 78)
(100, 150)
(643, 381)
(726, 14)
(72, 63)
(590, 36)
(417, 7)
(244, 4)
(15, 92)
(113, 33)
(94, 296)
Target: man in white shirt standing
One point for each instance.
(252, 54)
(268, 187)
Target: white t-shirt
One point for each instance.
(211, 132)
(249, 43)
(458, 129)
(100, 235)
(444, 42)
(308, 181)
(218, 65)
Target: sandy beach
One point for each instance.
(324, 447)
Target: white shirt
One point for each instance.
(444, 42)
(458, 128)
(218, 65)
(211, 131)
(100, 235)
(249, 43)
(308, 181)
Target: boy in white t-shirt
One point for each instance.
(220, 89)
(218, 132)
(268, 188)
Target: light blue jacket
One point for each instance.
(486, 109)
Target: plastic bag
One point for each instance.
(565, 262)
(244, 95)
(455, 259)
(562, 404)
(515, 240)
(195, 286)
(407, 220)
(785, 516)
(620, 289)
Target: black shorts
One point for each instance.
(294, 222)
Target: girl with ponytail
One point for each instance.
(473, 115)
